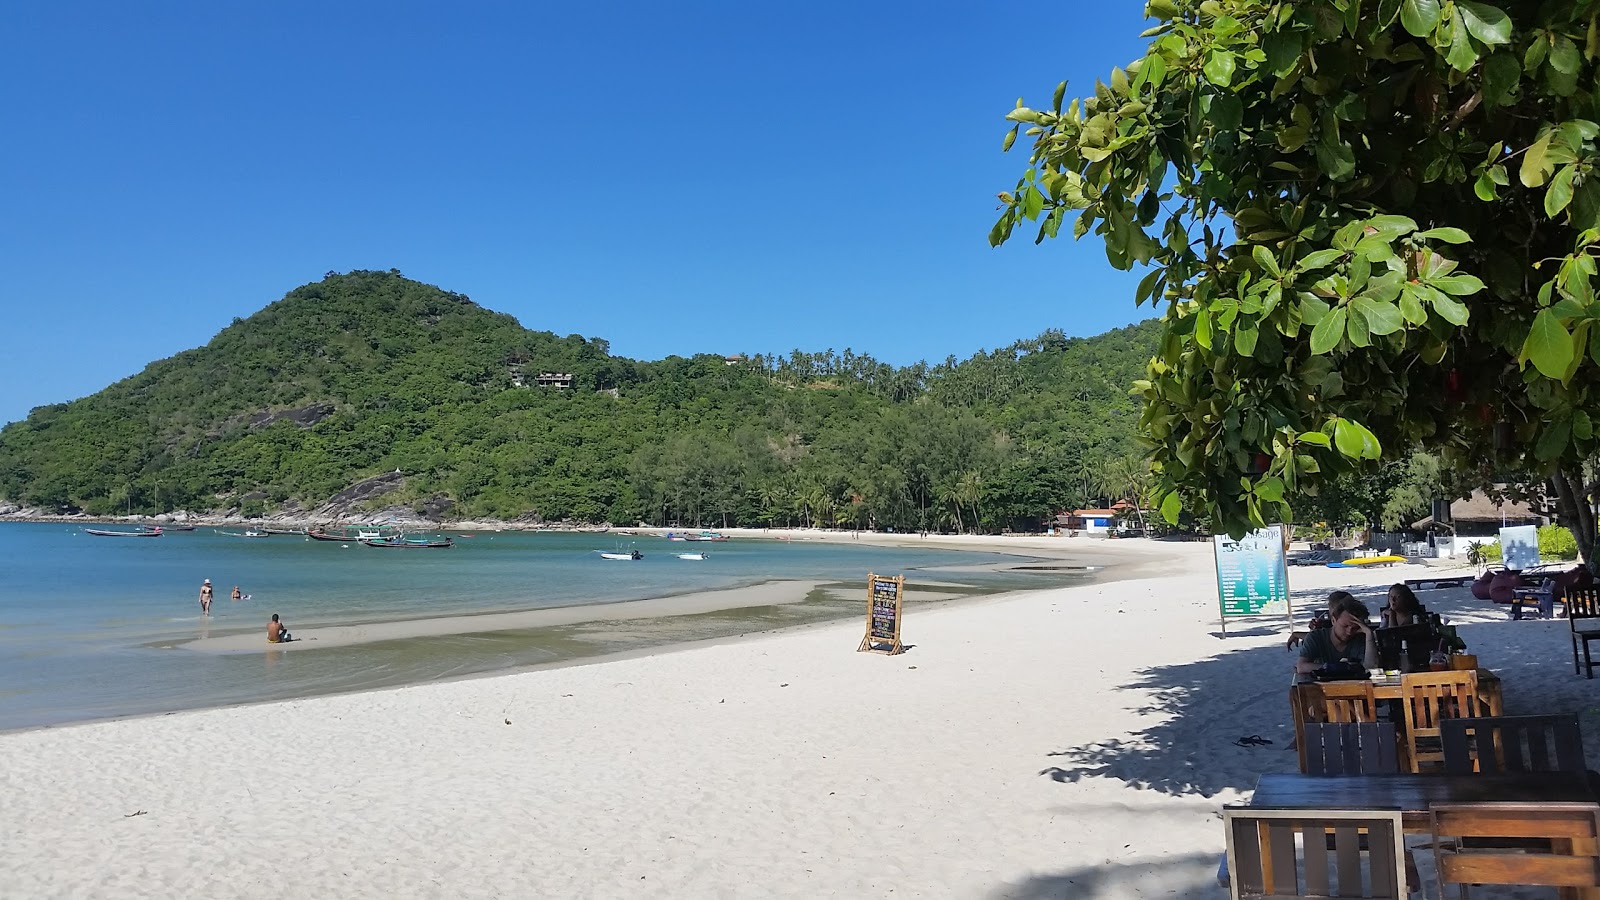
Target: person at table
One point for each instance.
(1348, 639)
(1322, 618)
(1404, 608)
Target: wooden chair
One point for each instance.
(1351, 748)
(1583, 617)
(1262, 861)
(1497, 851)
(1493, 744)
(1429, 698)
(1334, 701)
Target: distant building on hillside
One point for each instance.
(554, 380)
(733, 360)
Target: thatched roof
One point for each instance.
(1480, 507)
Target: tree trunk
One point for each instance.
(1572, 504)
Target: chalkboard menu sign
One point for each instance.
(884, 596)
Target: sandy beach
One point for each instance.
(1060, 743)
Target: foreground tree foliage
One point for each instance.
(1374, 227)
(369, 372)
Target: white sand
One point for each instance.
(1065, 743)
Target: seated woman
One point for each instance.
(1322, 618)
(1404, 608)
(1348, 639)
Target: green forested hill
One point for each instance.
(369, 372)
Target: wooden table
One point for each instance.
(1488, 691)
(1413, 794)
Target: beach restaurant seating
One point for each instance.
(1350, 748)
(1427, 699)
(1334, 701)
(1490, 745)
(1499, 843)
(1583, 616)
(1337, 861)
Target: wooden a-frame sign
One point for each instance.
(884, 604)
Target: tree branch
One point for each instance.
(1463, 111)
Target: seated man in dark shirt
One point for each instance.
(1349, 639)
(1322, 618)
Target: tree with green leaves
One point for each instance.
(1374, 227)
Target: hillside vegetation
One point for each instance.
(369, 372)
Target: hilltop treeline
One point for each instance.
(370, 372)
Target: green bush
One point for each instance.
(1481, 553)
(1557, 542)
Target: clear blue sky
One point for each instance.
(673, 177)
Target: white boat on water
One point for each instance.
(694, 556)
(620, 554)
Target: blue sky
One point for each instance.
(675, 178)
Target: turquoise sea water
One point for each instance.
(88, 624)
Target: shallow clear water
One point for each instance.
(87, 623)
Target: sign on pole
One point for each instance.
(1519, 546)
(884, 598)
(1252, 574)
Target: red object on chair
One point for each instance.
(1503, 587)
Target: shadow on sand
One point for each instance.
(1200, 709)
(1194, 875)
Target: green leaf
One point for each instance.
(1564, 55)
(1202, 329)
(1270, 489)
(1449, 309)
(1460, 285)
(1011, 138)
(1559, 194)
(1553, 441)
(1219, 67)
(1355, 441)
(1420, 17)
(1244, 340)
(1549, 345)
(1448, 235)
(1535, 168)
(1487, 23)
(1314, 438)
(1318, 259)
(1501, 73)
(1461, 56)
(1357, 329)
(1411, 306)
(1382, 318)
(1171, 506)
(1266, 260)
(1328, 332)
(1582, 425)
(1283, 49)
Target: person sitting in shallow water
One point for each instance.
(1348, 639)
(1322, 618)
(277, 632)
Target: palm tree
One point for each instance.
(971, 489)
(952, 495)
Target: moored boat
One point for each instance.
(111, 532)
(355, 534)
(250, 533)
(620, 554)
(693, 556)
(413, 543)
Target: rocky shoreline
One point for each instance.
(399, 516)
